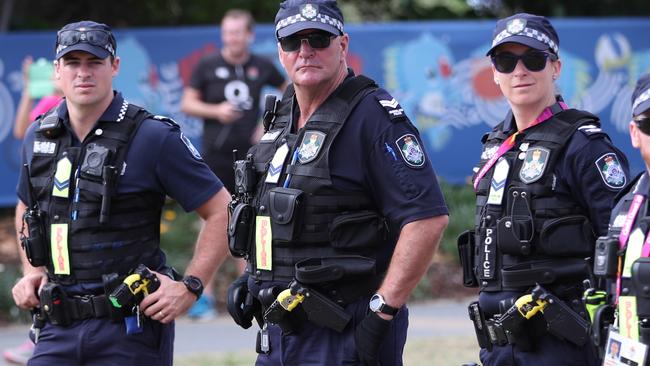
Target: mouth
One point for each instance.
(519, 86)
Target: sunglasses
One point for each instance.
(505, 62)
(95, 37)
(643, 124)
(316, 40)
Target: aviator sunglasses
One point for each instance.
(643, 123)
(316, 40)
(505, 62)
(95, 37)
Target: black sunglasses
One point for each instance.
(316, 40)
(95, 37)
(643, 124)
(505, 62)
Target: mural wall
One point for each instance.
(436, 70)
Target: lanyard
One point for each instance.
(510, 142)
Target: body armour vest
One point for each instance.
(89, 229)
(529, 235)
(308, 219)
(632, 298)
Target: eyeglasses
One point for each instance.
(316, 40)
(505, 62)
(643, 123)
(96, 37)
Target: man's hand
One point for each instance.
(171, 300)
(368, 337)
(26, 289)
(226, 112)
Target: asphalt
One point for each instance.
(442, 318)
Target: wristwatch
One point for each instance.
(194, 285)
(378, 305)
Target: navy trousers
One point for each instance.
(549, 351)
(313, 345)
(100, 342)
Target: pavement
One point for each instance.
(440, 318)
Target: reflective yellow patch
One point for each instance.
(61, 184)
(628, 322)
(263, 240)
(59, 248)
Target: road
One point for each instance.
(443, 318)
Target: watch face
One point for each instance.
(375, 303)
(193, 283)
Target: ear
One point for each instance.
(115, 65)
(57, 70)
(345, 42)
(634, 135)
(557, 69)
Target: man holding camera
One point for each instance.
(96, 173)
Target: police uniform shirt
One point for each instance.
(579, 172)
(379, 151)
(241, 85)
(160, 159)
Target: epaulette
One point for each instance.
(165, 119)
(391, 105)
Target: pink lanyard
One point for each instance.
(510, 142)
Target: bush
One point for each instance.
(461, 202)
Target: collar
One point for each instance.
(510, 126)
(114, 113)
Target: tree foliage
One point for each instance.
(44, 14)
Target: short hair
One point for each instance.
(241, 13)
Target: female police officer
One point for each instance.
(544, 185)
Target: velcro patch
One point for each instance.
(391, 105)
(411, 150)
(195, 153)
(44, 147)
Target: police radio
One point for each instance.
(270, 108)
(51, 126)
(241, 212)
(35, 245)
(244, 175)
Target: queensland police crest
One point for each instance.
(411, 150)
(310, 146)
(610, 171)
(534, 163)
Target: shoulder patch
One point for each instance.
(610, 171)
(165, 119)
(590, 129)
(186, 141)
(391, 105)
(411, 150)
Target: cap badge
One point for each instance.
(516, 26)
(309, 11)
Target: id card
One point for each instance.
(620, 350)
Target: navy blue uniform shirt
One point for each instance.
(370, 154)
(160, 159)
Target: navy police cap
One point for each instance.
(641, 96)
(78, 37)
(531, 30)
(296, 15)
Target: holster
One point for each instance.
(480, 327)
(53, 304)
(466, 248)
(240, 228)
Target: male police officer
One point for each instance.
(347, 207)
(544, 185)
(621, 257)
(97, 170)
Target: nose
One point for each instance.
(305, 47)
(520, 68)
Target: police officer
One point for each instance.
(97, 170)
(544, 184)
(622, 256)
(348, 212)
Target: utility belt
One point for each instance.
(523, 320)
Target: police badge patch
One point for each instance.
(411, 150)
(311, 144)
(534, 163)
(516, 26)
(610, 170)
(195, 153)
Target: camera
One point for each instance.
(95, 158)
(244, 175)
(606, 256)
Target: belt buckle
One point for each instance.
(85, 306)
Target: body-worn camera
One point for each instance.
(35, 245)
(95, 158)
(606, 256)
(244, 175)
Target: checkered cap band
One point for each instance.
(530, 33)
(642, 98)
(323, 18)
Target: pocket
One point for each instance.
(358, 229)
(285, 206)
(466, 247)
(567, 236)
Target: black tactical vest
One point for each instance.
(533, 236)
(130, 232)
(310, 218)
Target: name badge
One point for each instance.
(59, 248)
(621, 350)
(263, 241)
